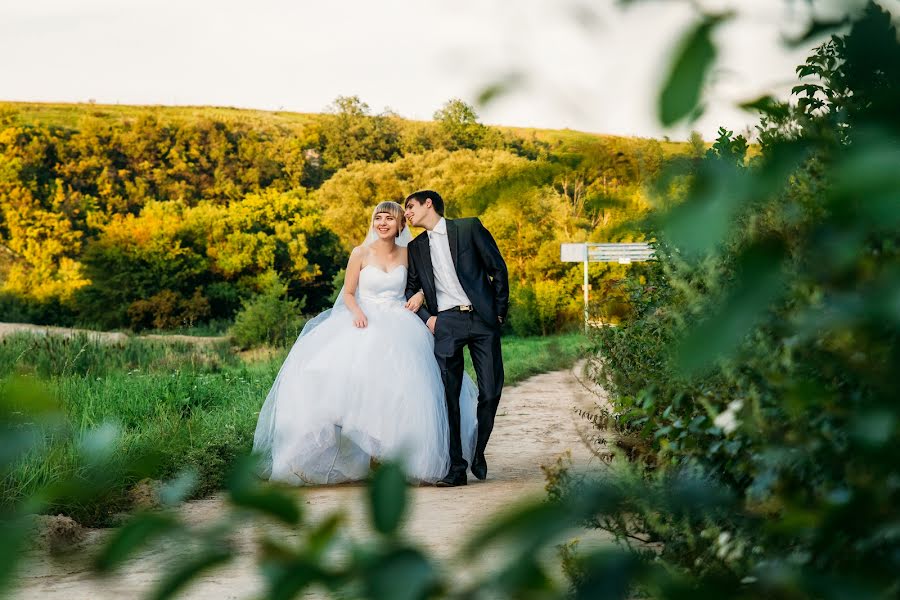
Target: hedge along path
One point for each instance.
(535, 425)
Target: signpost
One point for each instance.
(624, 254)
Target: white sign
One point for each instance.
(573, 252)
(624, 254)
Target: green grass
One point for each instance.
(216, 327)
(573, 139)
(53, 356)
(176, 406)
(70, 114)
(168, 421)
(524, 357)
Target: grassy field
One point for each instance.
(163, 408)
(70, 114)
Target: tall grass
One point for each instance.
(174, 406)
(167, 421)
(51, 356)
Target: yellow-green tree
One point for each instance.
(43, 246)
(469, 181)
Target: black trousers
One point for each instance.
(453, 331)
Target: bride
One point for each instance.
(361, 384)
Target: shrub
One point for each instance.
(523, 314)
(270, 318)
(168, 310)
(541, 308)
(18, 309)
(755, 388)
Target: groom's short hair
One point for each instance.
(422, 195)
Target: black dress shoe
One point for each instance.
(452, 480)
(479, 467)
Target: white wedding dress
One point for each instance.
(345, 395)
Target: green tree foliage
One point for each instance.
(697, 145)
(45, 246)
(529, 206)
(351, 133)
(469, 180)
(757, 380)
(459, 128)
(171, 255)
(127, 217)
(62, 188)
(728, 148)
(271, 317)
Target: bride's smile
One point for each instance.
(386, 225)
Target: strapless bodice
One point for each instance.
(376, 285)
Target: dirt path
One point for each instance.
(101, 336)
(535, 424)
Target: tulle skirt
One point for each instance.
(345, 396)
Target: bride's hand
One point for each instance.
(415, 303)
(360, 320)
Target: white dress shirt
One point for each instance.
(450, 292)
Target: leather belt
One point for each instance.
(460, 308)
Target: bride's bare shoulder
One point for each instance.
(358, 254)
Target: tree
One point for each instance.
(138, 257)
(697, 145)
(43, 248)
(274, 231)
(458, 126)
(351, 133)
(470, 181)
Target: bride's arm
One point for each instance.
(416, 301)
(351, 281)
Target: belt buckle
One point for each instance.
(465, 308)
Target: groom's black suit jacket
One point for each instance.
(479, 266)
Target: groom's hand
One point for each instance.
(430, 322)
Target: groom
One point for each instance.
(459, 267)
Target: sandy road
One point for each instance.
(536, 423)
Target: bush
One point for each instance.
(523, 315)
(541, 308)
(168, 310)
(755, 389)
(17, 309)
(270, 318)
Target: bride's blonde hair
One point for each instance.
(392, 208)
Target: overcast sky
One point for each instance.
(593, 69)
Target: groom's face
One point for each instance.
(415, 212)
